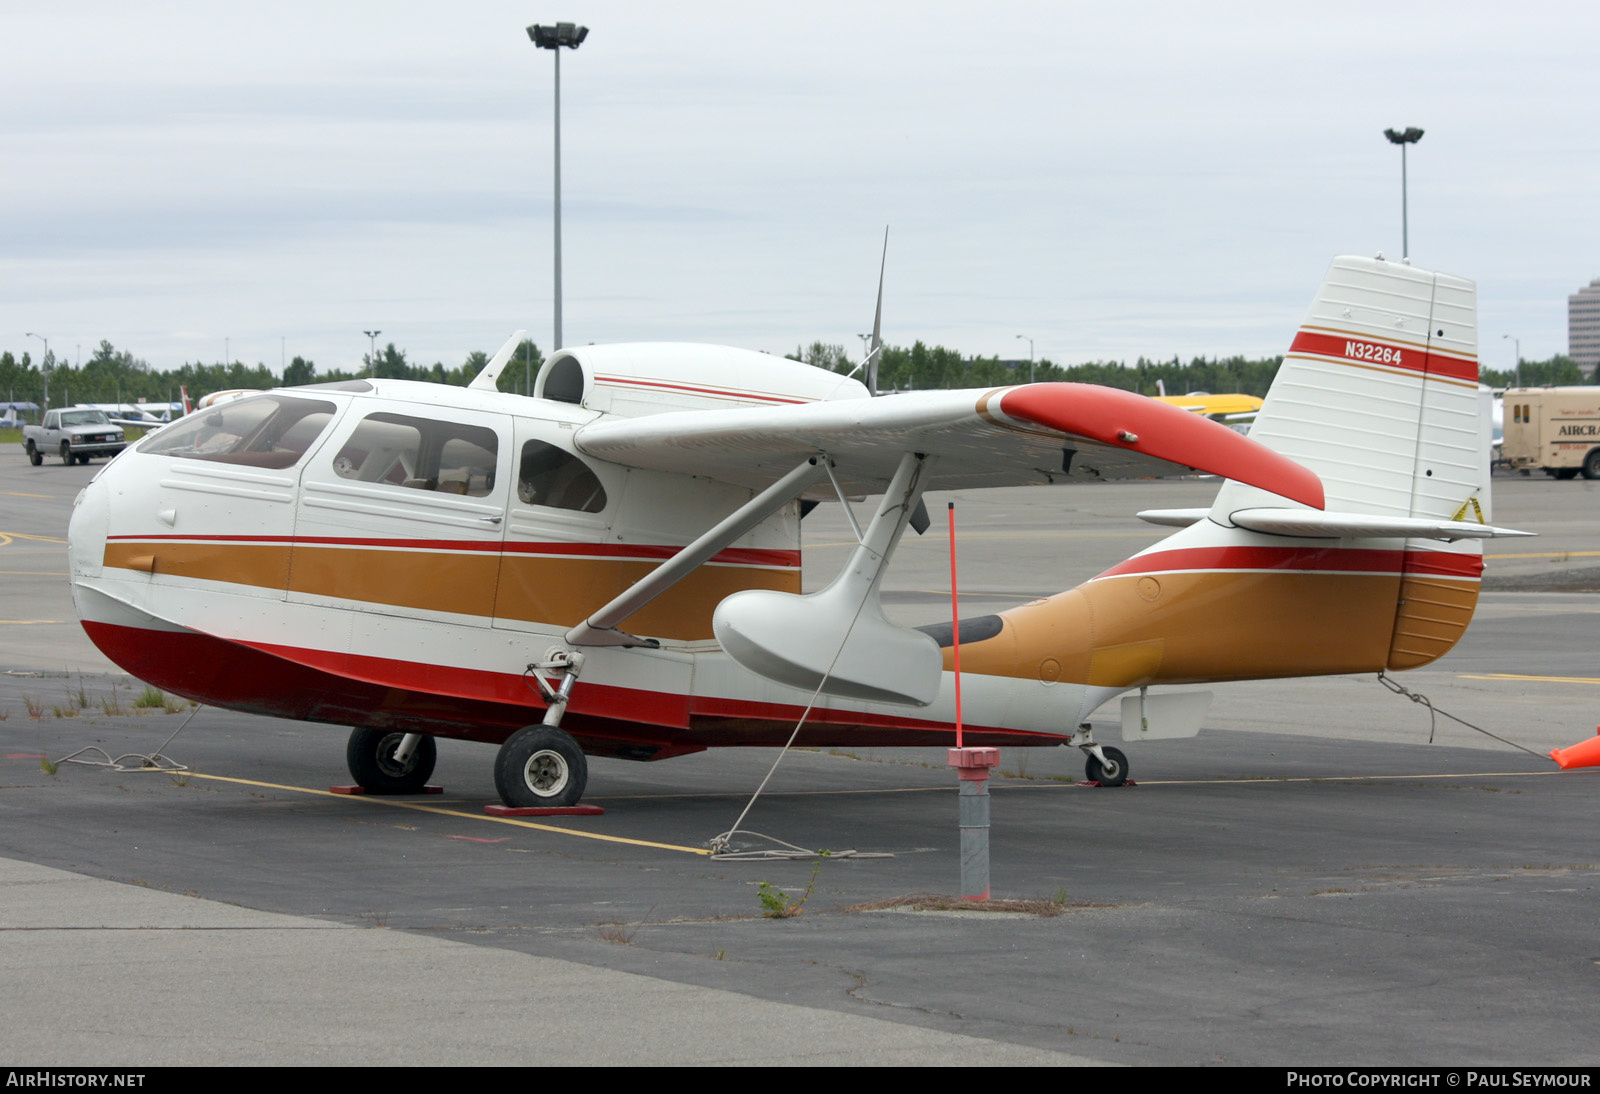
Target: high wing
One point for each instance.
(1010, 436)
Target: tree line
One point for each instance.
(117, 376)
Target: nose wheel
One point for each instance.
(540, 766)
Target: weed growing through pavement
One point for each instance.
(778, 904)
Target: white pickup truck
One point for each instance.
(76, 433)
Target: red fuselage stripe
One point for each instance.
(722, 392)
(1307, 559)
(743, 556)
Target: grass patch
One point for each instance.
(150, 699)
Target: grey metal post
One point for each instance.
(972, 769)
(557, 343)
(974, 817)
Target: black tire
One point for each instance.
(1114, 772)
(1591, 464)
(540, 766)
(35, 457)
(66, 453)
(1565, 473)
(84, 459)
(370, 757)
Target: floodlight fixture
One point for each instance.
(561, 34)
(1410, 135)
(553, 38)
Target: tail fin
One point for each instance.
(1379, 396)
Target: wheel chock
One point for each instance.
(544, 810)
(1582, 754)
(357, 791)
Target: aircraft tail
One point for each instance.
(1378, 396)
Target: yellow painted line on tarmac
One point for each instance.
(25, 622)
(7, 537)
(19, 494)
(1536, 679)
(420, 808)
(1275, 779)
(37, 573)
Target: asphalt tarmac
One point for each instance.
(1307, 882)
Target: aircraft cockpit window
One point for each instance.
(420, 454)
(553, 477)
(271, 431)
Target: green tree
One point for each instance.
(299, 372)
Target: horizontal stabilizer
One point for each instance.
(1311, 524)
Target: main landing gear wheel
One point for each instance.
(1114, 772)
(540, 766)
(370, 755)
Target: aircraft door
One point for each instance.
(401, 513)
(557, 566)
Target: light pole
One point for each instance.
(44, 367)
(554, 38)
(1411, 136)
(1028, 340)
(1517, 342)
(372, 351)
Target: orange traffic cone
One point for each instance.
(1582, 754)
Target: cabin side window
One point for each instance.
(271, 431)
(420, 454)
(551, 476)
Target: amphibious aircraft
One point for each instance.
(612, 566)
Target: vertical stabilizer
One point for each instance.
(1379, 396)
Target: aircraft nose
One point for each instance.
(87, 531)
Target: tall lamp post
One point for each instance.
(1028, 340)
(554, 38)
(1411, 135)
(372, 350)
(1516, 342)
(44, 367)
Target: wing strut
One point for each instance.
(600, 629)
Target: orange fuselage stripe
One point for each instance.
(560, 591)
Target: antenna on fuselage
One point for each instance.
(876, 349)
(489, 378)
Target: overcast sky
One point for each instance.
(1111, 180)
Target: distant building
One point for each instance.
(1583, 326)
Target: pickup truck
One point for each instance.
(76, 433)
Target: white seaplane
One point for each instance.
(611, 566)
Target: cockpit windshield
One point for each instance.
(271, 431)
